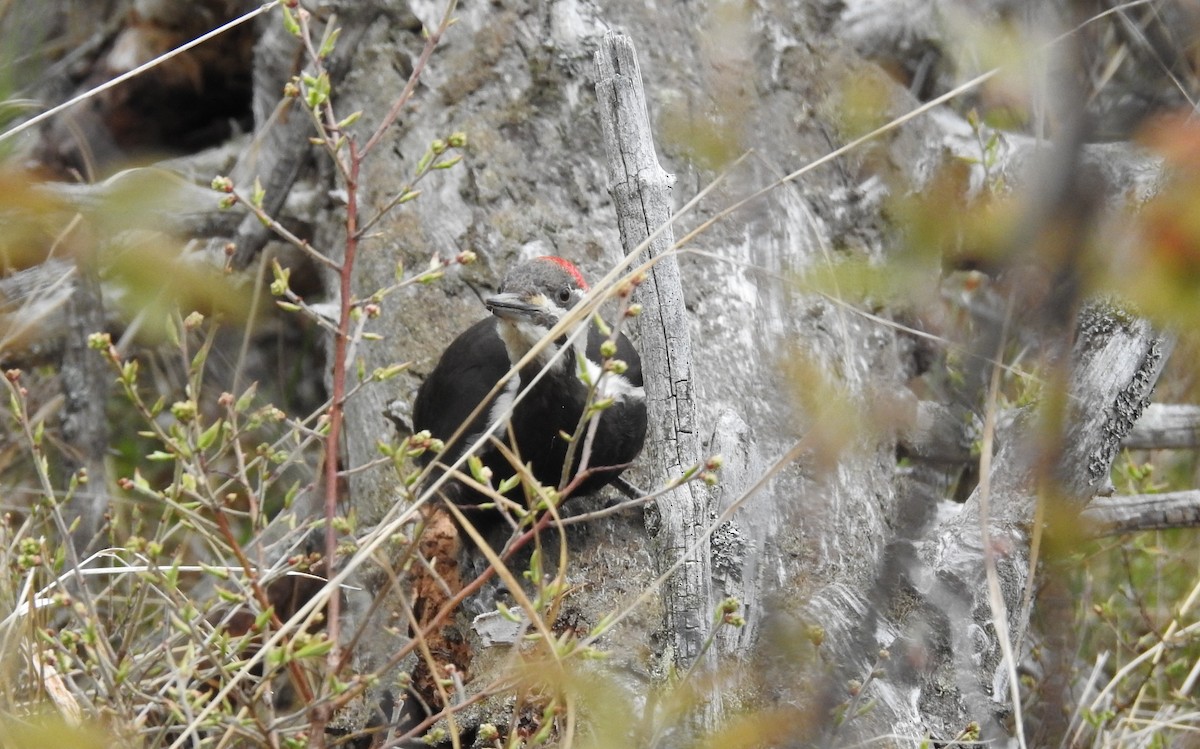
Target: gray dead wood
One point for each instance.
(1115, 363)
(281, 145)
(923, 39)
(85, 382)
(1121, 171)
(33, 318)
(1111, 516)
(1164, 427)
(34, 302)
(945, 667)
(194, 211)
(938, 432)
(641, 192)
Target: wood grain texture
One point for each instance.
(641, 192)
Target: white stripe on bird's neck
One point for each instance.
(520, 337)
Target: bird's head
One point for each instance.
(533, 298)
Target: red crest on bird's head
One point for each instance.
(569, 267)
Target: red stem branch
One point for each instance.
(337, 399)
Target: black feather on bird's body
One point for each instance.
(532, 299)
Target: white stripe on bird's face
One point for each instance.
(521, 331)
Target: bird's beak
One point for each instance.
(515, 308)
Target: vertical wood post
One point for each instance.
(641, 192)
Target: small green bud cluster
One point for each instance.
(184, 411)
(728, 612)
(711, 466)
(815, 634)
(438, 148)
(223, 184)
(29, 554)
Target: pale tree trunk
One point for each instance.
(641, 193)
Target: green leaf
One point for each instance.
(209, 436)
(289, 21)
(329, 43)
(246, 398)
(582, 370)
(218, 572)
(382, 374)
(319, 648)
(290, 496)
(316, 90)
(172, 328)
(475, 466)
(129, 371)
(230, 595)
(257, 194)
(425, 161)
(261, 620)
(602, 326)
(279, 285)
(277, 657)
(507, 613)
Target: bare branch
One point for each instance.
(1113, 516)
(1165, 426)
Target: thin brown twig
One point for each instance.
(431, 42)
(299, 679)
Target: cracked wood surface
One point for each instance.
(641, 192)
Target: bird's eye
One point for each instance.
(564, 295)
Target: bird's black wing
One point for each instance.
(622, 429)
(468, 370)
(625, 352)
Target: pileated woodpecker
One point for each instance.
(533, 297)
